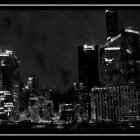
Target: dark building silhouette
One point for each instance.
(81, 103)
(130, 55)
(112, 23)
(24, 98)
(89, 65)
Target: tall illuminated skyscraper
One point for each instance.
(121, 60)
(111, 62)
(112, 23)
(9, 70)
(130, 55)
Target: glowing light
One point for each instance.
(138, 61)
(4, 91)
(2, 63)
(7, 51)
(30, 78)
(108, 11)
(108, 60)
(26, 87)
(109, 38)
(8, 103)
(132, 31)
(8, 106)
(89, 47)
(4, 54)
(7, 94)
(128, 51)
(112, 48)
(1, 112)
(114, 38)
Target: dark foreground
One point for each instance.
(83, 128)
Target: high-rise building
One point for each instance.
(114, 103)
(88, 55)
(130, 55)
(120, 59)
(111, 62)
(9, 71)
(81, 103)
(118, 97)
(112, 23)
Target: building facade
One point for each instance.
(114, 103)
(9, 72)
(130, 55)
(46, 108)
(81, 103)
(66, 112)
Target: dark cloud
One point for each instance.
(7, 22)
(40, 58)
(65, 76)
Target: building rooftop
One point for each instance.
(6, 52)
(89, 47)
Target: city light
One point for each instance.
(132, 31)
(89, 47)
(112, 48)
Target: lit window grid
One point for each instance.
(112, 105)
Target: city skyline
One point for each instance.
(70, 70)
(46, 41)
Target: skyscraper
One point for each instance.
(9, 71)
(111, 63)
(114, 103)
(130, 55)
(112, 23)
(81, 103)
(89, 65)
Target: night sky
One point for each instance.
(46, 41)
